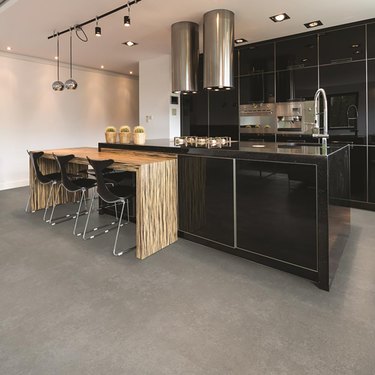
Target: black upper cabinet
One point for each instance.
(343, 45)
(345, 85)
(256, 58)
(297, 53)
(296, 84)
(257, 88)
(371, 40)
(371, 103)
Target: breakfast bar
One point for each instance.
(156, 191)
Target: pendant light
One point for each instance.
(58, 85)
(71, 84)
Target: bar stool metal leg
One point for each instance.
(48, 200)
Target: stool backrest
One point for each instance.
(62, 161)
(34, 157)
(102, 185)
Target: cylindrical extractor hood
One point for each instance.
(185, 56)
(218, 38)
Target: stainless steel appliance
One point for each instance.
(258, 118)
(295, 117)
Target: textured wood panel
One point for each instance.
(156, 203)
(156, 207)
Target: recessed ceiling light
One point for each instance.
(102, 67)
(56, 57)
(130, 43)
(311, 24)
(9, 48)
(131, 72)
(280, 17)
(240, 40)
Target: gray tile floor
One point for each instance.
(69, 307)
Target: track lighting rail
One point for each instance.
(95, 19)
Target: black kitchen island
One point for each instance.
(280, 204)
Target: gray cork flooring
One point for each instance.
(69, 307)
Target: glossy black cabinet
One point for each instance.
(256, 58)
(371, 41)
(371, 101)
(358, 173)
(297, 53)
(371, 173)
(257, 88)
(345, 85)
(223, 113)
(296, 84)
(342, 45)
(276, 211)
(206, 207)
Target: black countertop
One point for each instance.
(298, 152)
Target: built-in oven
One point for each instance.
(295, 117)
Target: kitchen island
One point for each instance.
(282, 205)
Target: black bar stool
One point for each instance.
(44, 179)
(113, 194)
(78, 185)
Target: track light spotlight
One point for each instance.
(127, 18)
(98, 29)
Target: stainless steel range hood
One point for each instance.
(218, 49)
(185, 56)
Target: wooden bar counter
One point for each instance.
(156, 191)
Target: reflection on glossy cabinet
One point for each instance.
(296, 84)
(257, 88)
(371, 41)
(256, 58)
(346, 44)
(371, 101)
(204, 209)
(295, 53)
(358, 173)
(276, 211)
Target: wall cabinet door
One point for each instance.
(276, 211)
(223, 113)
(371, 40)
(256, 58)
(371, 101)
(206, 198)
(297, 53)
(257, 88)
(342, 45)
(345, 85)
(296, 84)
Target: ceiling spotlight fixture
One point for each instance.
(311, 24)
(9, 48)
(240, 41)
(130, 72)
(58, 85)
(127, 18)
(130, 43)
(102, 67)
(280, 17)
(98, 29)
(71, 84)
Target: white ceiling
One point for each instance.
(26, 24)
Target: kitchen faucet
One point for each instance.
(325, 134)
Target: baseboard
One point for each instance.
(13, 184)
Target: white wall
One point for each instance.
(33, 116)
(155, 110)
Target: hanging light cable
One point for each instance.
(98, 29)
(127, 18)
(71, 84)
(58, 85)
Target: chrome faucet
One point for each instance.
(325, 134)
